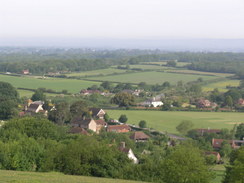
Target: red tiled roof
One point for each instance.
(203, 130)
(118, 128)
(78, 130)
(139, 136)
(101, 122)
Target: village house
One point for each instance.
(129, 153)
(100, 125)
(235, 144)
(240, 102)
(97, 113)
(139, 137)
(89, 92)
(202, 103)
(202, 131)
(25, 72)
(35, 107)
(153, 102)
(118, 128)
(87, 124)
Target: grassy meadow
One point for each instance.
(96, 72)
(72, 85)
(7, 176)
(153, 77)
(168, 120)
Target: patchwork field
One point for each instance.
(185, 71)
(53, 177)
(72, 85)
(153, 77)
(97, 72)
(168, 120)
(221, 85)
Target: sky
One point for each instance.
(122, 19)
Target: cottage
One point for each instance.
(129, 153)
(153, 102)
(139, 137)
(89, 92)
(97, 113)
(100, 124)
(202, 103)
(35, 107)
(81, 122)
(235, 144)
(240, 102)
(118, 128)
(25, 72)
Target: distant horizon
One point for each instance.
(183, 44)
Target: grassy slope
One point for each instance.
(168, 120)
(153, 77)
(72, 85)
(53, 177)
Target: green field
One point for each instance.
(221, 85)
(72, 85)
(185, 71)
(168, 120)
(150, 67)
(96, 72)
(153, 77)
(53, 177)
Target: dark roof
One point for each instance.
(101, 122)
(139, 136)
(79, 120)
(95, 111)
(33, 107)
(118, 127)
(78, 130)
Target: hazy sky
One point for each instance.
(137, 19)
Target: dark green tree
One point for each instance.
(240, 131)
(8, 101)
(38, 96)
(123, 99)
(142, 124)
(184, 126)
(123, 118)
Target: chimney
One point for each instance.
(122, 144)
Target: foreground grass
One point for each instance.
(7, 176)
(168, 120)
(72, 85)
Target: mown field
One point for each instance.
(221, 85)
(97, 72)
(168, 120)
(53, 177)
(154, 77)
(185, 71)
(72, 85)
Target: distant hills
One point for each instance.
(195, 45)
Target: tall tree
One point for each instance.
(8, 100)
(184, 126)
(38, 96)
(123, 99)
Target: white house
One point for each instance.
(129, 153)
(153, 102)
